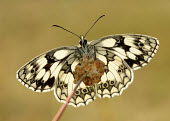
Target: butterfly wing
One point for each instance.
(117, 76)
(54, 69)
(120, 53)
(136, 50)
(65, 85)
(40, 73)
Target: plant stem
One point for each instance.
(61, 110)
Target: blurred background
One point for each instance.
(25, 32)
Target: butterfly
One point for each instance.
(121, 54)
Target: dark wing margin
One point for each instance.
(137, 50)
(38, 74)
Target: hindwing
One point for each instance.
(117, 76)
(65, 85)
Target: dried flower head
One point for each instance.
(92, 67)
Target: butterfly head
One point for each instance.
(83, 41)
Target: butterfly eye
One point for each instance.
(85, 41)
(80, 42)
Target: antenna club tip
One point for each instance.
(102, 16)
(55, 25)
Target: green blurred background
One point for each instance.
(25, 32)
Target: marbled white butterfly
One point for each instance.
(121, 55)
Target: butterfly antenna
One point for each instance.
(93, 24)
(66, 30)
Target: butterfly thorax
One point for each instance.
(85, 48)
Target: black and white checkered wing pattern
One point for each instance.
(136, 50)
(121, 54)
(117, 76)
(40, 73)
(54, 69)
(65, 85)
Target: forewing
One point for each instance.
(137, 50)
(117, 76)
(65, 85)
(40, 73)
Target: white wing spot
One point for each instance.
(54, 66)
(102, 58)
(104, 77)
(110, 76)
(107, 43)
(46, 76)
(74, 64)
(40, 74)
(131, 55)
(135, 51)
(120, 50)
(62, 53)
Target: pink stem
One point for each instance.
(58, 115)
